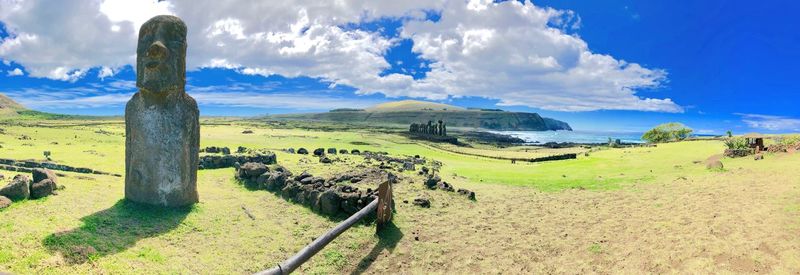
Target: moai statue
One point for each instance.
(444, 129)
(430, 127)
(439, 128)
(161, 121)
(411, 128)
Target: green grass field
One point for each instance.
(579, 215)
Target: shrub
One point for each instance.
(667, 132)
(736, 143)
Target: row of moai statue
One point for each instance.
(429, 128)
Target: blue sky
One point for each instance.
(599, 65)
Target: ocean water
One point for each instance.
(574, 136)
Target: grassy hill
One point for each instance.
(8, 106)
(411, 111)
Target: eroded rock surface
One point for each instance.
(162, 126)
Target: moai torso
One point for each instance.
(162, 121)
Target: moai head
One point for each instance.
(161, 56)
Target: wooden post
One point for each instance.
(384, 205)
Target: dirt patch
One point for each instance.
(731, 221)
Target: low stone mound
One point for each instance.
(225, 161)
(332, 151)
(434, 182)
(319, 152)
(326, 196)
(302, 151)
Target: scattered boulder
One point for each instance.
(290, 150)
(432, 181)
(422, 202)
(343, 151)
(247, 132)
(302, 151)
(40, 174)
(714, 165)
(470, 195)
(758, 157)
(319, 152)
(443, 185)
(408, 166)
(332, 151)
(325, 159)
(18, 189)
(226, 151)
(241, 150)
(42, 189)
(355, 152)
(4, 202)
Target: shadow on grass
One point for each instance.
(114, 230)
(388, 238)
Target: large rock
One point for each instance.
(42, 189)
(276, 181)
(319, 152)
(329, 202)
(432, 181)
(302, 151)
(18, 189)
(254, 169)
(4, 202)
(162, 129)
(332, 151)
(40, 174)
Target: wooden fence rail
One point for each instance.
(384, 213)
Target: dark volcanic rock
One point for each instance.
(302, 151)
(42, 189)
(422, 202)
(303, 175)
(329, 202)
(18, 189)
(332, 151)
(252, 169)
(470, 195)
(325, 159)
(319, 152)
(343, 151)
(355, 152)
(443, 185)
(432, 181)
(40, 174)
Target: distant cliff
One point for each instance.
(408, 111)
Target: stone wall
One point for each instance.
(27, 166)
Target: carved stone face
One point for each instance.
(161, 55)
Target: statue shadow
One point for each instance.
(388, 237)
(114, 230)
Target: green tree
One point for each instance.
(667, 132)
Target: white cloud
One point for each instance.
(15, 72)
(117, 93)
(770, 122)
(519, 54)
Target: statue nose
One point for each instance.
(157, 50)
